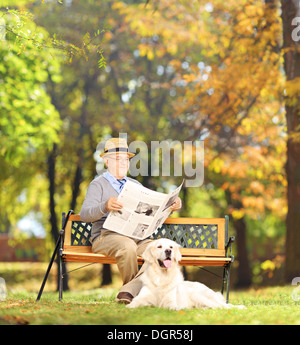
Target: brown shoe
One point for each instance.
(124, 297)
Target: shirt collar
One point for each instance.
(117, 184)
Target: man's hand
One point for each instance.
(176, 205)
(113, 204)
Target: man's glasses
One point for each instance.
(119, 159)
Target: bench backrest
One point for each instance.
(197, 236)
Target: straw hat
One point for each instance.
(116, 145)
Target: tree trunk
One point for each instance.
(290, 10)
(76, 185)
(106, 275)
(243, 271)
(53, 219)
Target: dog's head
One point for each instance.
(163, 252)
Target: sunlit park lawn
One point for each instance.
(264, 306)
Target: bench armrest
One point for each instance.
(65, 219)
(228, 245)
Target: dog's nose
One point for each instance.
(168, 252)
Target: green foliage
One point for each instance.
(28, 119)
(11, 3)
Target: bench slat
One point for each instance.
(100, 258)
(184, 251)
(175, 220)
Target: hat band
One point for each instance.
(118, 149)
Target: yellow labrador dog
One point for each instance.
(163, 284)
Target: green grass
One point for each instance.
(88, 304)
(264, 306)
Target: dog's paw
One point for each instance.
(131, 305)
(173, 307)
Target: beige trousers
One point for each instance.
(125, 251)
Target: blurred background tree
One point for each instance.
(291, 51)
(29, 121)
(228, 88)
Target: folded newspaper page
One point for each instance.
(144, 210)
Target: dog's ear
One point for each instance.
(177, 253)
(148, 253)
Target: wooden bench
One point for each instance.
(204, 241)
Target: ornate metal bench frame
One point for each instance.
(204, 241)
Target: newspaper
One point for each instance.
(144, 210)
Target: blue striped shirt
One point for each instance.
(117, 184)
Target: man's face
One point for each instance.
(117, 164)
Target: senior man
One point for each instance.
(101, 198)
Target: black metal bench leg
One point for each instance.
(60, 279)
(223, 280)
(49, 268)
(228, 283)
(58, 247)
(226, 280)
